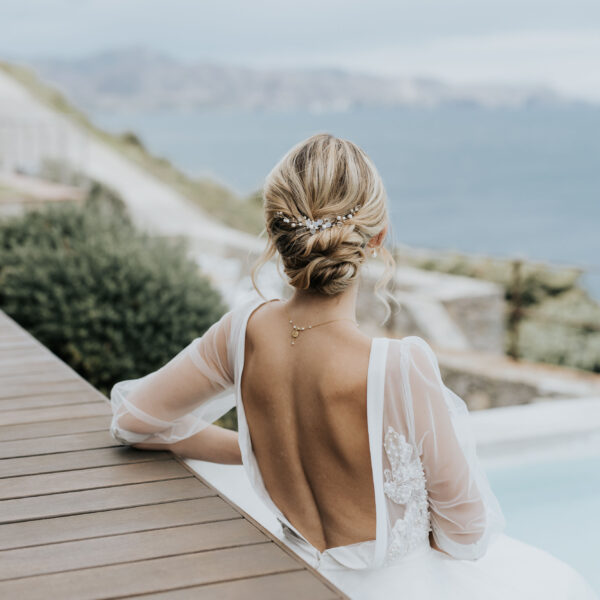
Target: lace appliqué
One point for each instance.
(405, 484)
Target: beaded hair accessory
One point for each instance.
(312, 226)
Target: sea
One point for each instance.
(506, 182)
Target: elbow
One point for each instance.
(462, 549)
(116, 434)
(464, 540)
(133, 440)
(477, 548)
(125, 436)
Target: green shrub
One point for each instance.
(112, 302)
(563, 330)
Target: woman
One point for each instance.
(357, 446)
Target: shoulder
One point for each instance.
(242, 309)
(253, 308)
(241, 313)
(250, 302)
(414, 352)
(229, 324)
(410, 343)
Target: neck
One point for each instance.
(310, 307)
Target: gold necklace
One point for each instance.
(296, 329)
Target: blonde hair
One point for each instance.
(321, 178)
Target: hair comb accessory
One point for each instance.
(313, 226)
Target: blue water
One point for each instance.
(502, 182)
(554, 505)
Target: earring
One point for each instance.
(374, 252)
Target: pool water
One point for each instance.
(555, 505)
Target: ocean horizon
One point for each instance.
(505, 182)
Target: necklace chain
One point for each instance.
(296, 330)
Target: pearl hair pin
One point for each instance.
(313, 226)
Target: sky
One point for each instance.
(552, 42)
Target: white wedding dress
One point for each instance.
(426, 472)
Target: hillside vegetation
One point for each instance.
(558, 322)
(217, 200)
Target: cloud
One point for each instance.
(533, 41)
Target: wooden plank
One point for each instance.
(71, 503)
(67, 461)
(34, 415)
(24, 368)
(113, 522)
(54, 399)
(58, 443)
(22, 353)
(28, 486)
(7, 324)
(9, 329)
(6, 320)
(54, 428)
(38, 354)
(295, 585)
(29, 343)
(153, 575)
(20, 368)
(16, 340)
(9, 332)
(50, 374)
(19, 388)
(14, 333)
(116, 549)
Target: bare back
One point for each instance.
(307, 414)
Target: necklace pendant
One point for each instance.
(295, 333)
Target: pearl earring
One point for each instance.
(374, 252)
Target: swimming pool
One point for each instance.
(554, 504)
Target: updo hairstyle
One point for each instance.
(323, 202)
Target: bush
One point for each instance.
(112, 302)
(563, 330)
(560, 324)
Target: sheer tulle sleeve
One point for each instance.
(182, 397)
(465, 514)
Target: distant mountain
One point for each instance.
(141, 79)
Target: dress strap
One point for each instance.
(375, 397)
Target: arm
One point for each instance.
(465, 514)
(173, 407)
(214, 444)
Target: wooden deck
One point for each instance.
(82, 517)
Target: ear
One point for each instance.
(377, 240)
